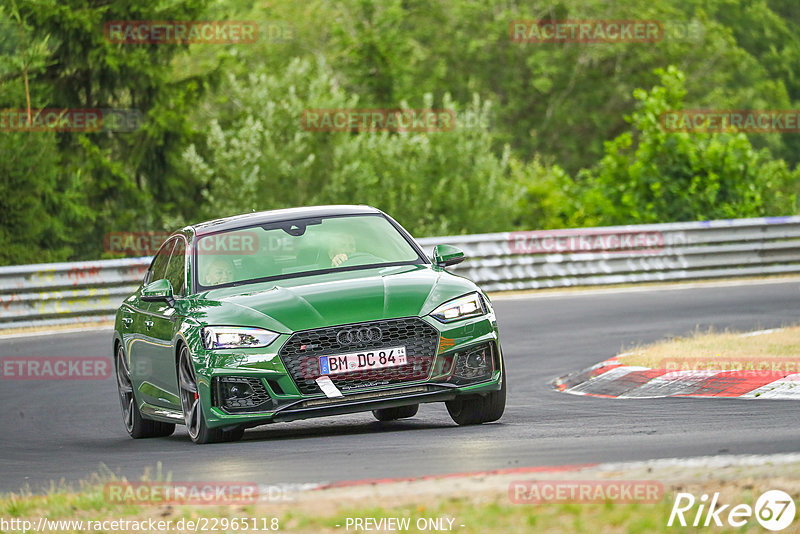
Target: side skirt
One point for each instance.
(164, 415)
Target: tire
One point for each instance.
(399, 412)
(137, 426)
(479, 409)
(192, 408)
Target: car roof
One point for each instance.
(263, 217)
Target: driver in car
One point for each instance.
(340, 247)
(218, 271)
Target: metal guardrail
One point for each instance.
(678, 251)
(62, 293)
(58, 293)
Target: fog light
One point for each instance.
(477, 360)
(473, 365)
(239, 393)
(237, 390)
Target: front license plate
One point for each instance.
(362, 361)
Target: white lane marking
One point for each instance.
(761, 332)
(708, 461)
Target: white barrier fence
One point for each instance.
(78, 292)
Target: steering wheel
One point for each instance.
(360, 256)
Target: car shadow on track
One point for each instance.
(285, 433)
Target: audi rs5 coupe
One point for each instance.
(300, 313)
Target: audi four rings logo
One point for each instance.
(359, 335)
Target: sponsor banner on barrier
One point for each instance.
(585, 491)
(55, 368)
(583, 240)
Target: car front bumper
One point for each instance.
(287, 403)
(401, 395)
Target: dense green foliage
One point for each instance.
(559, 135)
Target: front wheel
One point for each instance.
(479, 409)
(137, 426)
(193, 408)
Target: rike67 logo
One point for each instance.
(774, 510)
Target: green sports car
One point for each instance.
(300, 313)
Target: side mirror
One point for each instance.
(444, 255)
(160, 290)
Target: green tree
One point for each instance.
(650, 175)
(127, 177)
(41, 207)
(258, 156)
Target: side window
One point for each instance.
(159, 266)
(176, 271)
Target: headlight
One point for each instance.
(461, 308)
(231, 337)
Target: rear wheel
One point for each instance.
(136, 425)
(399, 412)
(193, 408)
(479, 409)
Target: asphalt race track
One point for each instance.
(54, 430)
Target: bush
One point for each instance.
(649, 175)
(257, 156)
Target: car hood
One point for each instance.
(334, 298)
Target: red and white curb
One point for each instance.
(614, 379)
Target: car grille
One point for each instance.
(300, 354)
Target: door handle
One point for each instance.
(149, 324)
(127, 321)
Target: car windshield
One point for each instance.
(294, 248)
